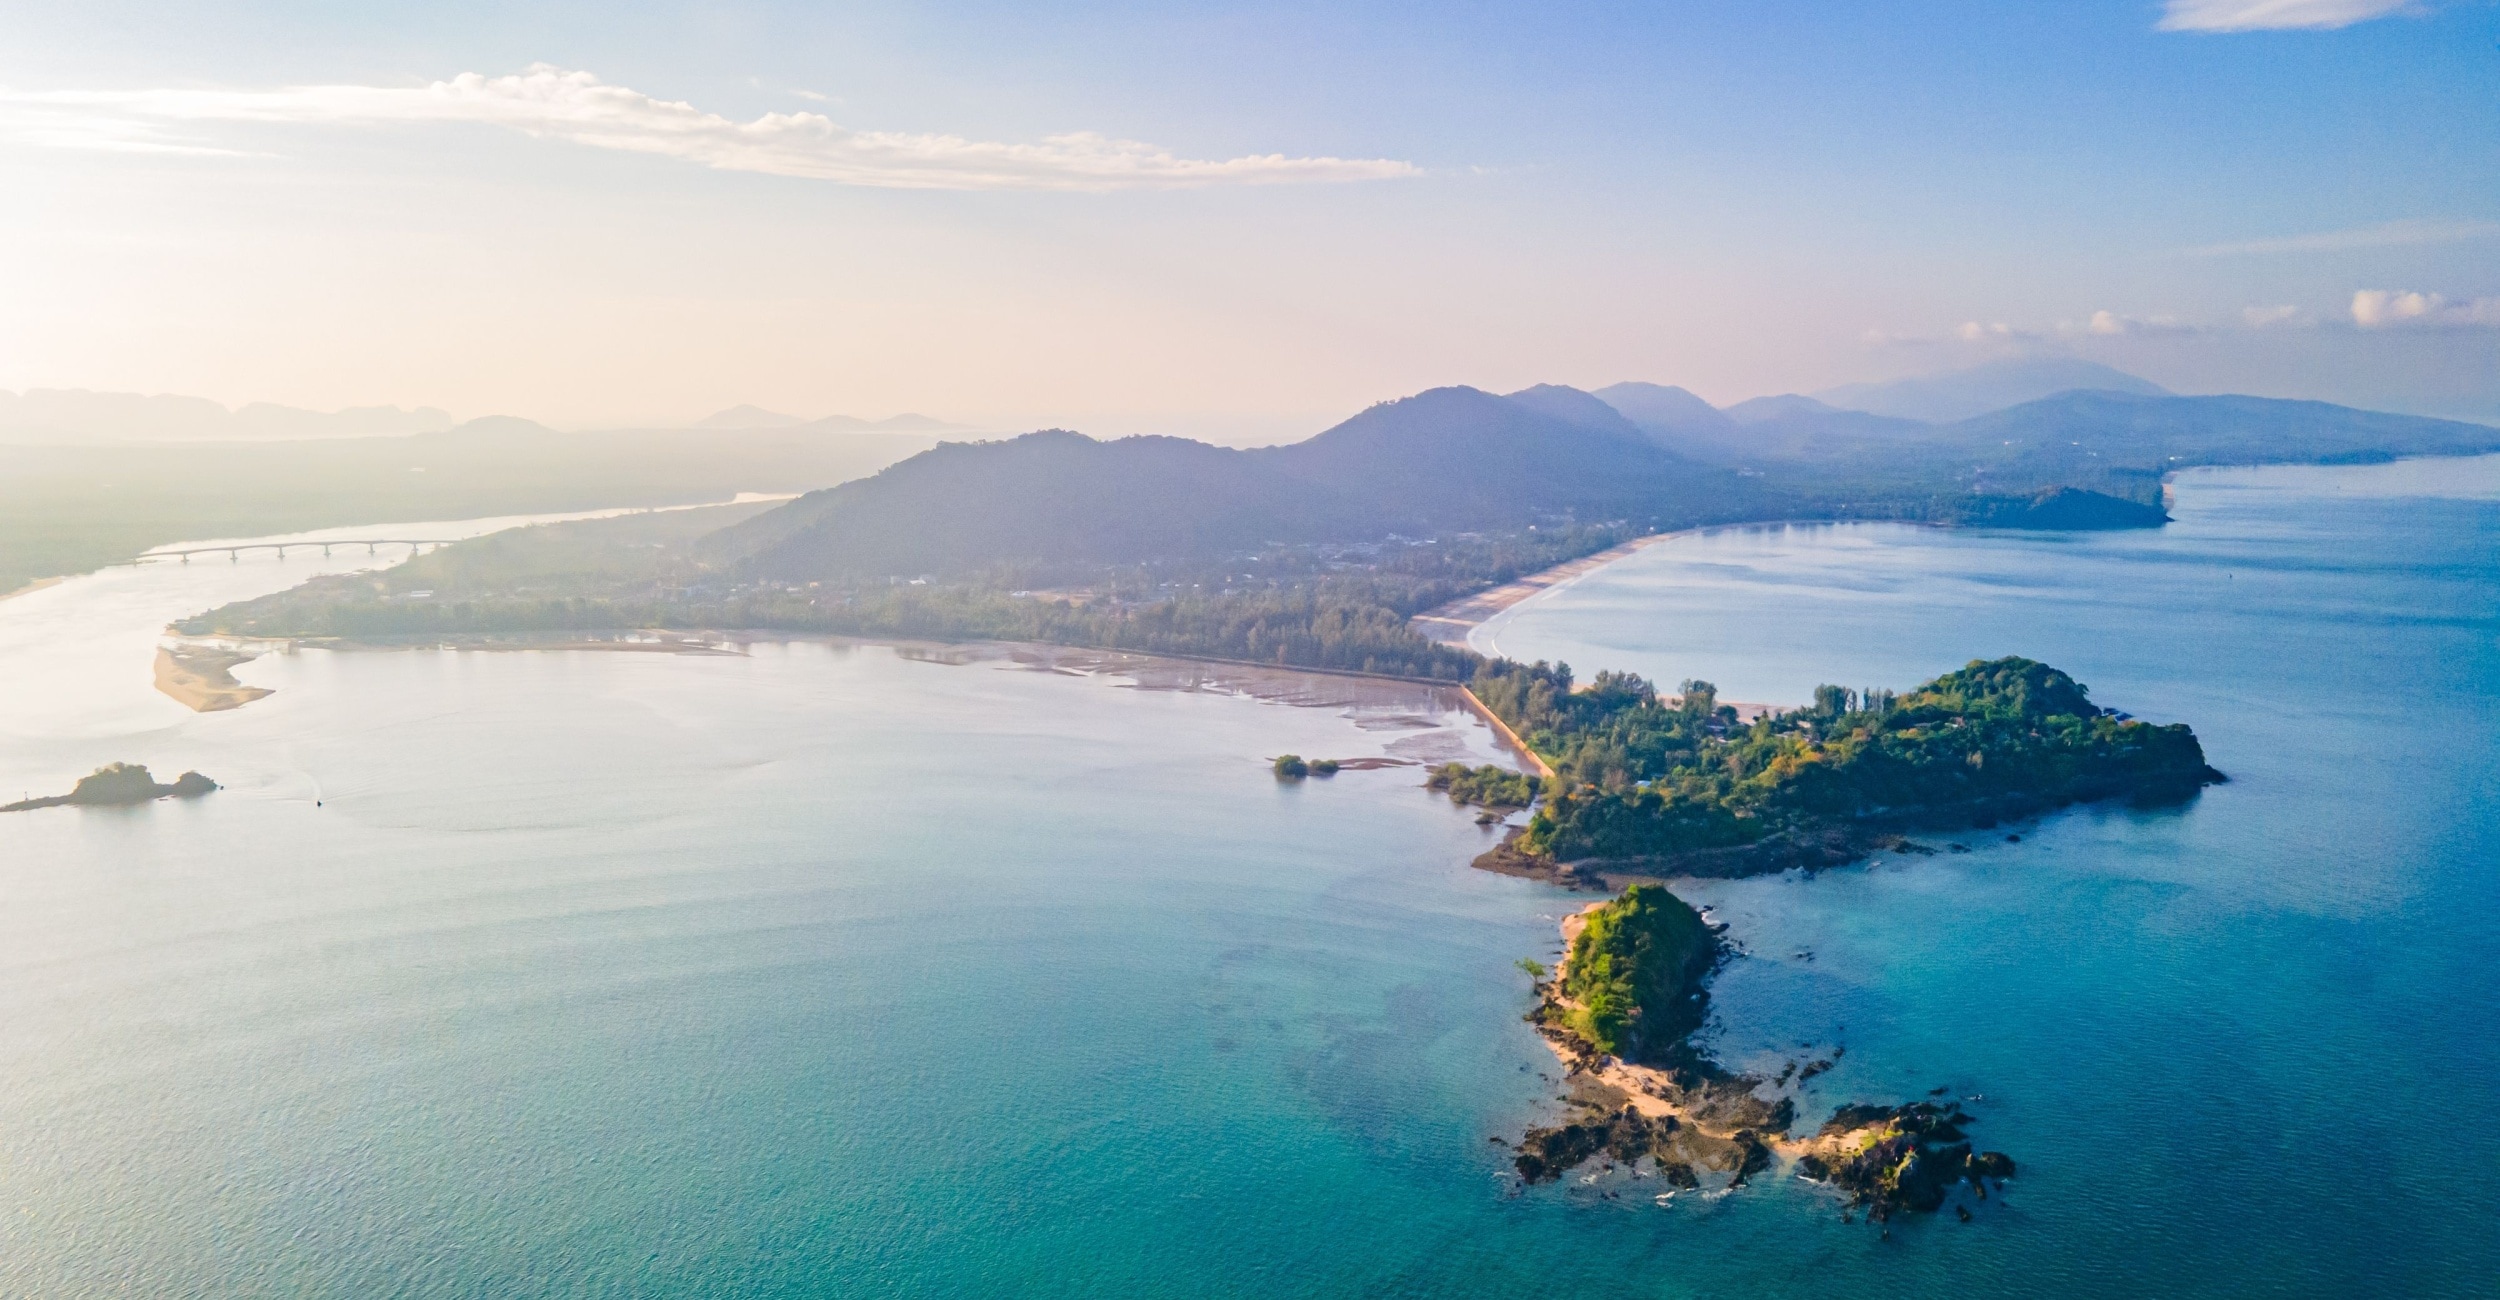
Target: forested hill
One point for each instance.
(1451, 459)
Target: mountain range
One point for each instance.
(1994, 386)
(78, 415)
(1446, 459)
(1460, 459)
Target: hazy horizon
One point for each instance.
(1233, 222)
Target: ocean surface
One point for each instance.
(822, 969)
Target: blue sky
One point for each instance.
(1339, 203)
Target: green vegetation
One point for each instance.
(1487, 786)
(1290, 767)
(1343, 608)
(1635, 971)
(1648, 777)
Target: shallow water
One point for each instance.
(844, 970)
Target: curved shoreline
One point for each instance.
(35, 586)
(1453, 623)
(201, 678)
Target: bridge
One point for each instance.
(234, 554)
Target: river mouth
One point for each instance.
(78, 655)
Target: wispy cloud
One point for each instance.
(2384, 309)
(2386, 234)
(555, 103)
(2272, 15)
(1971, 331)
(2110, 324)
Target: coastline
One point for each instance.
(1451, 624)
(33, 587)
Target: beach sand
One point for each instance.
(1449, 624)
(202, 677)
(32, 587)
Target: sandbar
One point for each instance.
(202, 677)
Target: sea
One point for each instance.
(703, 967)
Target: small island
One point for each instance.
(1620, 1013)
(118, 785)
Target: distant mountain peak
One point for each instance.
(1992, 386)
(1760, 409)
(1666, 413)
(1572, 406)
(78, 415)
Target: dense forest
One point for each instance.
(1639, 775)
(1634, 970)
(1342, 608)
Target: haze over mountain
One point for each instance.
(1665, 410)
(1449, 458)
(1459, 459)
(756, 417)
(73, 415)
(748, 417)
(1961, 394)
(2121, 444)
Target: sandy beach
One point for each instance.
(1449, 624)
(202, 677)
(32, 587)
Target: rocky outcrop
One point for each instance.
(119, 784)
(1891, 1159)
(1686, 1115)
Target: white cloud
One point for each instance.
(2109, 324)
(2271, 15)
(1974, 332)
(2259, 318)
(2380, 309)
(2387, 234)
(554, 103)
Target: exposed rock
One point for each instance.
(118, 784)
(1900, 1158)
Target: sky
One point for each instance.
(1236, 221)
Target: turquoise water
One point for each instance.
(832, 970)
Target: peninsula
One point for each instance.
(1648, 785)
(117, 785)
